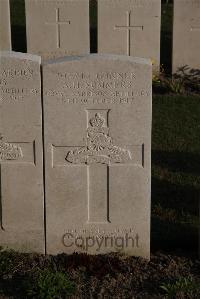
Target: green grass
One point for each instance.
(47, 284)
(25, 276)
(184, 287)
(175, 171)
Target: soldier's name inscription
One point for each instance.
(98, 88)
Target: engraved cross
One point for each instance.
(129, 28)
(58, 23)
(98, 155)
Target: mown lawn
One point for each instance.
(175, 171)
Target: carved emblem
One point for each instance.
(9, 151)
(99, 146)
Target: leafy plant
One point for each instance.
(184, 80)
(174, 85)
(157, 74)
(182, 288)
(163, 83)
(191, 77)
(47, 284)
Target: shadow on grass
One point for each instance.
(175, 210)
(170, 237)
(183, 199)
(178, 161)
(11, 286)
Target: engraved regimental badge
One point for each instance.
(99, 146)
(9, 151)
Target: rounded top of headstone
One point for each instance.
(101, 57)
(19, 55)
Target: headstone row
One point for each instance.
(57, 28)
(93, 193)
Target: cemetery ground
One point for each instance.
(174, 268)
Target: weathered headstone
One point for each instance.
(186, 34)
(130, 27)
(21, 161)
(57, 28)
(5, 31)
(97, 115)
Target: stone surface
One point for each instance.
(57, 28)
(5, 32)
(97, 115)
(186, 34)
(21, 161)
(130, 27)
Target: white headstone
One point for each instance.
(5, 30)
(21, 161)
(97, 115)
(57, 28)
(186, 34)
(130, 27)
